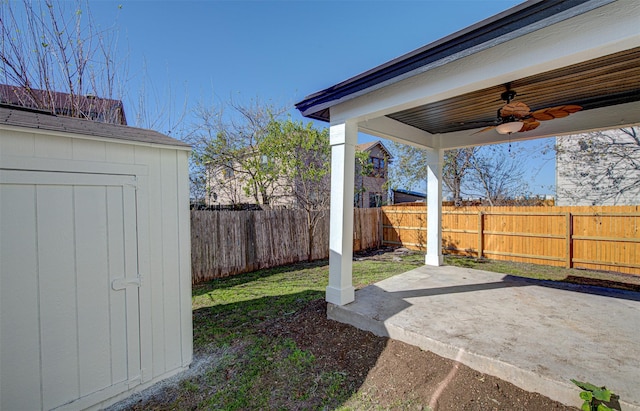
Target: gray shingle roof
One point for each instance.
(34, 119)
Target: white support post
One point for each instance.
(343, 138)
(434, 207)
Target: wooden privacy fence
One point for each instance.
(597, 238)
(225, 243)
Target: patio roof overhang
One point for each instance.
(552, 53)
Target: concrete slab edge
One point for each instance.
(562, 391)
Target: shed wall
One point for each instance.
(163, 254)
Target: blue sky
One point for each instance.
(279, 51)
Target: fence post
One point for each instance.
(380, 229)
(480, 233)
(569, 234)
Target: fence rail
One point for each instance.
(599, 238)
(225, 243)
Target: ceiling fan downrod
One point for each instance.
(508, 96)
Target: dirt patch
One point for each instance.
(383, 254)
(390, 374)
(352, 369)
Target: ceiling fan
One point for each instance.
(517, 117)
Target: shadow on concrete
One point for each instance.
(510, 281)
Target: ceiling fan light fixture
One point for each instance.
(510, 127)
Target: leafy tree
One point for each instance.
(273, 161)
(232, 151)
(48, 48)
(364, 167)
(303, 155)
(600, 167)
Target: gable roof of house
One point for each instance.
(370, 145)
(92, 107)
(524, 18)
(41, 120)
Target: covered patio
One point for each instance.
(536, 334)
(548, 54)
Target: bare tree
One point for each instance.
(411, 168)
(456, 168)
(490, 173)
(498, 176)
(599, 168)
(57, 59)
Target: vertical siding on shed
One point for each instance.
(169, 258)
(21, 354)
(57, 287)
(163, 241)
(168, 334)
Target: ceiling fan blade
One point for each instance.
(551, 113)
(516, 108)
(572, 108)
(542, 115)
(529, 124)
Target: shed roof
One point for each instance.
(39, 120)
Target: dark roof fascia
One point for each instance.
(413, 193)
(28, 118)
(514, 22)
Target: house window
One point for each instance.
(375, 200)
(379, 167)
(228, 170)
(357, 200)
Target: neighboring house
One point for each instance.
(599, 168)
(90, 107)
(226, 187)
(406, 196)
(371, 189)
(225, 182)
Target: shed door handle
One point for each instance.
(122, 283)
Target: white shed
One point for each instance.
(95, 275)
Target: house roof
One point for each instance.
(41, 120)
(520, 20)
(61, 103)
(370, 145)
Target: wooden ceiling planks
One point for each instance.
(609, 80)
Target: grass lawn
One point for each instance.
(260, 372)
(248, 368)
(231, 306)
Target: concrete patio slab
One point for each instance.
(535, 334)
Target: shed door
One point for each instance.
(69, 328)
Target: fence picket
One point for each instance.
(225, 243)
(599, 237)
